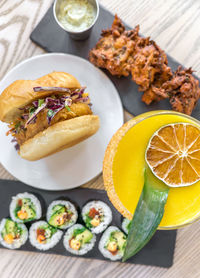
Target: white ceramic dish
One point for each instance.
(79, 164)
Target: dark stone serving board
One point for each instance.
(158, 252)
(52, 38)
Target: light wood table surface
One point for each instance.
(175, 27)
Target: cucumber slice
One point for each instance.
(148, 214)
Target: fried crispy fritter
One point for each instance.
(155, 92)
(183, 90)
(149, 60)
(114, 49)
(123, 52)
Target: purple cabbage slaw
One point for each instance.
(54, 105)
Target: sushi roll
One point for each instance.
(112, 243)
(78, 240)
(43, 236)
(12, 234)
(61, 214)
(25, 207)
(126, 223)
(97, 216)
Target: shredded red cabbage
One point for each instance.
(35, 103)
(55, 104)
(17, 147)
(34, 115)
(25, 117)
(83, 99)
(51, 115)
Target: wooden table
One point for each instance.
(175, 27)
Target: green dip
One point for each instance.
(76, 15)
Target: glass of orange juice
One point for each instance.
(124, 164)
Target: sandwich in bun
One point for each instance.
(47, 115)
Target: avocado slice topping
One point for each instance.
(84, 237)
(55, 219)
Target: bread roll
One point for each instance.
(20, 93)
(59, 136)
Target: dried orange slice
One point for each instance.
(173, 154)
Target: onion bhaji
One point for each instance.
(148, 63)
(114, 49)
(124, 52)
(183, 90)
(154, 92)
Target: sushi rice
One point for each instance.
(105, 215)
(17, 243)
(69, 207)
(84, 248)
(50, 242)
(104, 241)
(126, 225)
(34, 203)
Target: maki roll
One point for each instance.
(97, 216)
(126, 223)
(43, 236)
(78, 240)
(112, 243)
(12, 234)
(61, 214)
(25, 207)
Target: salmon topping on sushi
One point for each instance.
(97, 216)
(112, 243)
(93, 212)
(43, 236)
(79, 240)
(22, 214)
(44, 233)
(9, 238)
(74, 244)
(80, 237)
(116, 242)
(62, 218)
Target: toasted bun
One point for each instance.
(20, 93)
(59, 136)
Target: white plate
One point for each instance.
(79, 164)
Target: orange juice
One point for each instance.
(183, 204)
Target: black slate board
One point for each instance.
(52, 38)
(158, 252)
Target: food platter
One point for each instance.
(59, 171)
(47, 114)
(152, 254)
